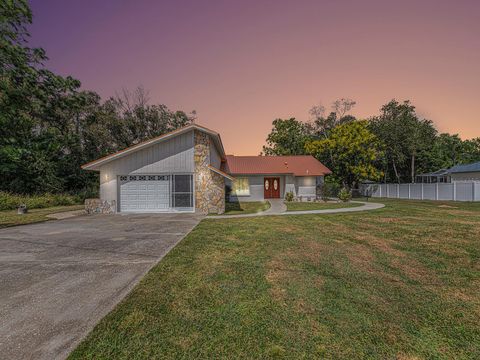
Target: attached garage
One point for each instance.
(175, 172)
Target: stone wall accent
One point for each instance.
(98, 206)
(209, 186)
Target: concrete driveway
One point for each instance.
(58, 279)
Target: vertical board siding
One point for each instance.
(169, 156)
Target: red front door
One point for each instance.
(271, 187)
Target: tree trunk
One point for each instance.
(413, 169)
(396, 172)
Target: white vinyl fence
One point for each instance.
(456, 191)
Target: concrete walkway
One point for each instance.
(279, 208)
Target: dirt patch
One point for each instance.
(447, 206)
(275, 276)
(408, 357)
(361, 258)
(415, 271)
(463, 212)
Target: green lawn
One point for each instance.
(300, 206)
(400, 282)
(233, 208)
(11, 218)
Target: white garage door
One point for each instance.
(144, 193)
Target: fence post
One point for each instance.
(380, 186)
(473, 190)
(398, 191)
(409, 197)
(454, 191)
(436, 191)
(422, 190)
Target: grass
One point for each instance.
(233, 208)
(300, 206)
(395, 283)
(11, 218)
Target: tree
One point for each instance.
(288, 137)
(449, 150)
(49, 126)
(406, 138)
(320, 126)
(351, 151)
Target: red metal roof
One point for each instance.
(298, 165)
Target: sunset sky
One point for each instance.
(241, 64)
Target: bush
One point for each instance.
(328, 190)
(345, 195)
(289, 196)
(10, 201)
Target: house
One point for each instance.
(263, 177)
(439, 176)
(187, 170)
(467, 172)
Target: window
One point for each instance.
(241, 187)
(182, 194)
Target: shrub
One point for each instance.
(289, 196)
(10, 201)
(345, 195)
(328, 189)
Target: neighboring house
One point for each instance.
(439, 176)
(467, 172)
(186, 170)
(263, 177)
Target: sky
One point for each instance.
(241, 64)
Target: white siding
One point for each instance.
(290, 185)
(306, 186)
(466, 176)
(174, 155)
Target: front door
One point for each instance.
(271, 187)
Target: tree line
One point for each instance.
(393, 146)
(49, 126)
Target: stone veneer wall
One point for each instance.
(209, 186)
(97, 206)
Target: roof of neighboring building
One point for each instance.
(440, 172)
(103, 160)
(298, 165)
(474, 167)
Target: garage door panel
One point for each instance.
(144, 193)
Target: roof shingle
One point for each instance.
(298, 165)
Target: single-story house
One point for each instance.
(467, 172)
(187, 170)
(262, 177)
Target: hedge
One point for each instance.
(10, 201)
